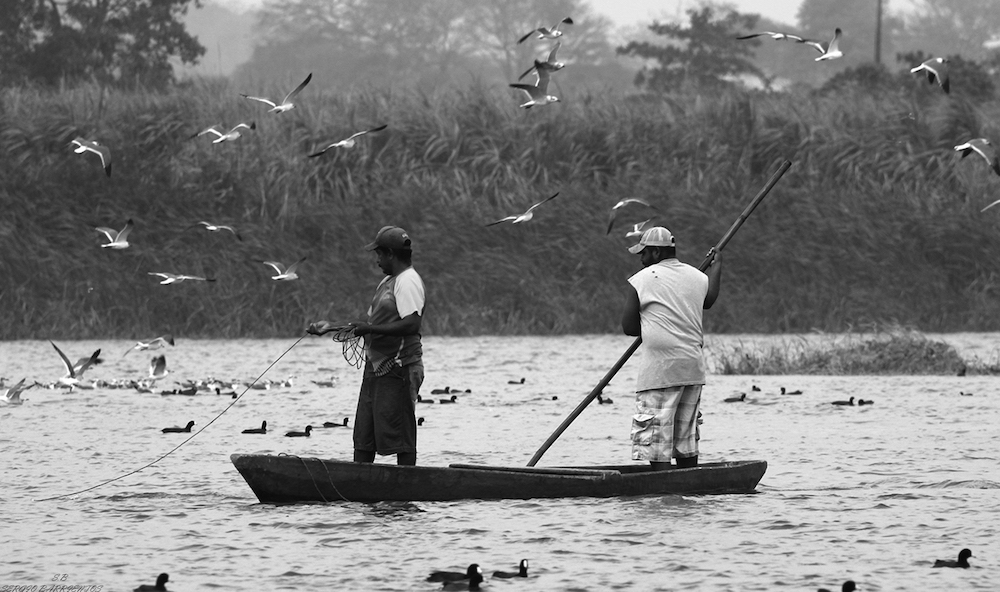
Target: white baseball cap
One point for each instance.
(656, 236)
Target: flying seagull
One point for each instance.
(990, 206)
(283, 272)
(621, 204)
(937, 71)
(158, 367)
(74, 372)
(286, 103)
(171, 278)
(549, 64)
(637, 229)
(528, 215)
(984, 148)
(230, 135)
(349, 142)
(777, 36)
(118, 238)
(12, 396)
(157, 343)
(830, 51)
(538, 93)
(547, 32)
(83, 145)
(215, 228)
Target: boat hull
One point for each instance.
(288, 479)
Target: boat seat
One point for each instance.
(540, 470)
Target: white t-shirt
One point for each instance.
(671, 302)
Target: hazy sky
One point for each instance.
(632, 12)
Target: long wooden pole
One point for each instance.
(635, 344)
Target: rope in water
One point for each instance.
(329, 478)
(191, 437)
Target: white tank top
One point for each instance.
(671, 302)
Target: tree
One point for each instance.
(17, 18)
(704, 54)
(427, 43)
(501, 24)
(124, 42)
(346, 41)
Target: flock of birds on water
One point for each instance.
(74, 379)
(472, 578)
(742, 398)
(537, 94)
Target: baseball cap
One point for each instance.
(656, 236)
(391, 237)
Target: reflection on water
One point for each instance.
(872, 493)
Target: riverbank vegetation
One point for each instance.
(878, 219)
(893, 350)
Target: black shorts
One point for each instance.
(385, 422)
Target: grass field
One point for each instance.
(878, 220)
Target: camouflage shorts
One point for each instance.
(665, 423)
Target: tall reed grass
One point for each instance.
(886, 351)
(877, 220)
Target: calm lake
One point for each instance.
(874, 493)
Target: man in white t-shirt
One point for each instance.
(664, 306)
(385, 422)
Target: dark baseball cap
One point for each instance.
(391, 237)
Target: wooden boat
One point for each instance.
(286, 478)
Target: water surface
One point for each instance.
(872, 494)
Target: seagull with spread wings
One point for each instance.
(157, 343)
(172, 278)
(984, 148)
(83, 145)
(528, 215)
(74, 372)
(215, 228)
(118, 238)
(621, 204)
(350, 141)
(549, 64)
(227, 136)
(830, 51)
(547, 32)
(158, 368)
(637, 229)
(538, 93)
(776, 35)
(284, 273)
(12, 396)
(286, 104)
(937, 71)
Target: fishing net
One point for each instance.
(354, 349)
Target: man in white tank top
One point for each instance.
(664, 306)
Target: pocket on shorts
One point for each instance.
(644, 429)
(414, 377)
